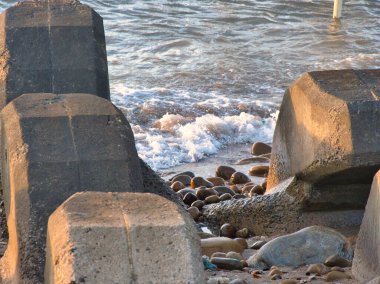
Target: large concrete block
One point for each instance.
(366, 263)
(52, 46)
(53, 146)
(122, 238)
(327, 135)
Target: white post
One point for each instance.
(337, 9)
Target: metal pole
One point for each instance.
(337, 9)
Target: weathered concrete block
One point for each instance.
(327, 135)
(366, 264)
(53, 146)
(122, 238)
(52, 46)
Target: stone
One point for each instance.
(223, 189)
(365, 265)
(204, 235)
(225, 172)
(225, 197)
(242, 242)
(260, 148)
(239, 178)
(203, 192)
(227, 263)
(327, 136)
(257, 189)
(200, 181)
(52, 47)
(259, 171)
(187, 173)
(274, 271)
(177, 186)
(212, 199)
(335, 276)
(194, 212)
(243, 233)
(185, 191)
(220, 244)
(218, 254)
(57, 145)
(264, 185)
(275, 277)
(258, 244)
(239, 196)
(337, 260)
(185, 180)
(246, 189)
(216, 181)
(92, 234)
(337, 268)
(218, 280)
(227, 230)
(238, 281)
(236, 189)
(198, 203)
(289, 281)
(189, 198)
(317, 268)
(307, 246)
(235, 255)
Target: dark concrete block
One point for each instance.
(52, 147)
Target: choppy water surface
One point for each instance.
(194, 76)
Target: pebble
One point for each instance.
(183, 179)
(243, 233)
(202, 193)
(204, 235)
(185, 191)
(260, 148)
(239, 196)
(217, 181)
(198, 203)
(218, 280)
(189, 198)
(200, 181)
(276, 277)
(259, 171)
(225, 172)
(337, 260)
(275, 271)
(335, 276)
(257, 189)
(235, 255)
(264, 185)
(242, 242)
(218, 254)
(212, 199)
(227, 230)
(225, 197)
(194, 212)
(337, 268)
(289, 281)
(223, 189)
(238, 281)
(177, 186)
(246, 189)
(317, 269)
(187, 173)
(227, 263)
(236, 189)
(239, 178)
(220, 244)
(258, 244)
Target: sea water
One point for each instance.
(195, 76)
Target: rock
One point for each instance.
(246, 189)
(260, 148)
(259, 171)
(185, 180)
(187, 173)
(189, 198)
(293, 249)
(198, 203)
(289, 281)
(236, 189)
(264, 185)
(366, 264)
(227, 230)
(275, 271)
(216, 181)
(242, 242)
(202, 193)
(212, 199)
(227, 263)
(239, 196)
(220, 244)
(225, 197)
(258, 244)
(218, 254)
(204, 235)
(335, 276)
(243, 233)
(185, 191)
(337, 268)
(238, 281)
(275, 277)
(223, 189)
(177, 186)
(239, 178)
(225, 172)
(218, 280)
(235, 255)
(337, 260)
(200, 181)
(194, 212)
(257, 189)
(317, 268)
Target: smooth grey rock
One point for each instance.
(258, 244)
(337, 260)
(223, 190)
(307, 246)
(227, 263)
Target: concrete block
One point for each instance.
(366, 265)
(52, 46)
(98, 237)
(53, 146)
(327, 135)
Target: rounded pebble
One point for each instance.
(198, 203)
(225, 197)
(260, 148)
(259, 171)
(187, 173)
(239, 178)
(212, 199)
(243, 233)
(225, 172)
(183, 179)
(335, 276)
(289, 281)
(257, 189)
(200, 181)
(189, 198)
(177, 186)
(217, 181)
(194, 212)
(202, 193)
(337, 260)
(234, 255)
(317, 268)
(227, 230)
(242, 242)
(258, 244)
(218, 254)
